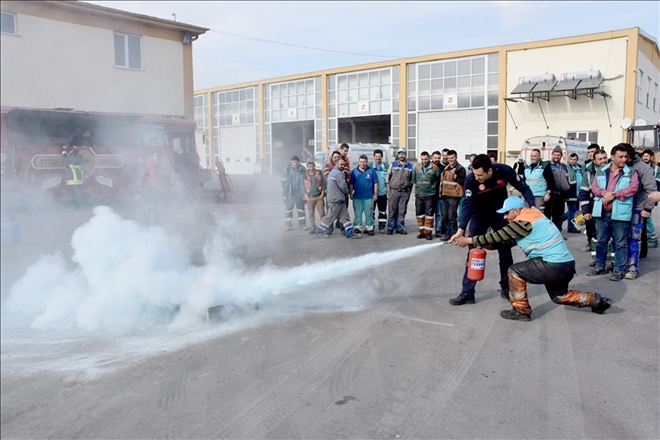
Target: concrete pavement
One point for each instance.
(376, 354)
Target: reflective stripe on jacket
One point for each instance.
(426, 179)
(74, 171)
(621, 209)
(536, 235)
(399, 176)
(545, 240)
(452, 181)
(535, 180)
(381, 171)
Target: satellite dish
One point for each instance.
(626, 123)
(639, 122)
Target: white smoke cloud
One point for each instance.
(128, 276)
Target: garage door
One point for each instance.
(237, 149)
(460, 130)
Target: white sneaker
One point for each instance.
(631, 275)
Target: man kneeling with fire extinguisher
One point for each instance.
(550, 262)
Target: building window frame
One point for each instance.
(585, 136)
(639, 85)
(125, 54)
(4, 29)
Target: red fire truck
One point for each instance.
(32, 141)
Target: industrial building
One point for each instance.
(70, 67)
(83, 57)
(472, 101)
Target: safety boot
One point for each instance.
(515, 315)
(596, 271)
(461, 299)
(601, 304)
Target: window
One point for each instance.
(648, 93)
(8, 23)
(154, 135)
(585, 136)
(128, 51)
(655, 98)
(639, 85)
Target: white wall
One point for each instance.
(641, 110)
(460, 130)
(237, 145)
(52, 64)
(564, 114)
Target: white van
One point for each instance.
(548, 143)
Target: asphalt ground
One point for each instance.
(377, 353)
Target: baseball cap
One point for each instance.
(401, 150)
(513, 202)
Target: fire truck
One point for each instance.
(119, 146)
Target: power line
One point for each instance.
(303, 47)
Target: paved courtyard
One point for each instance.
(372, 353)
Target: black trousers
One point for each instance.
(555, 208)
(555, 276)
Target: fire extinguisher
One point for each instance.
(476, 264)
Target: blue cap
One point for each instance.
(513, 202)
(401, 150)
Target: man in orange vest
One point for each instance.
(550, 262)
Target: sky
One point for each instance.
(354, 33)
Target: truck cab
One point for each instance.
(548, 143)
(644, 137)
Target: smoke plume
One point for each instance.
(127, 276)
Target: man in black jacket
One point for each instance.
(485, 193)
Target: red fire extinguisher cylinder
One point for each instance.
(476, 264)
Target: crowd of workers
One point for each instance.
(612, 197)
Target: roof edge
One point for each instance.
(429, 57)
(117, 13)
